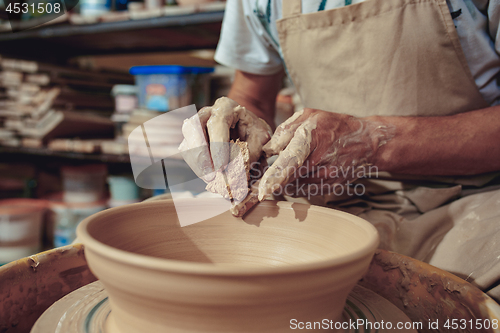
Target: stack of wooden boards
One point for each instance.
(137, 119)
(40, 101)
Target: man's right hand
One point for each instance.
(213, 125)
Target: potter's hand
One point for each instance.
(319, 147)
(213, 124)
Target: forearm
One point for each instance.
(260, 107)
(462, 144)
(257, 93)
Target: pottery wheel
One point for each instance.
(87, 310)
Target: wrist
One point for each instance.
(384, 135)
(260, 109)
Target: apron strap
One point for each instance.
(291, 7)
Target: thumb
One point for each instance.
(283, 134)
(289, 160)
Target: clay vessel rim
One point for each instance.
(184, 267)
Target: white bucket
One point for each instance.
(65, 217)
(20, 228)
(84, 184)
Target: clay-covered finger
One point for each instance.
(204, 115)
(288, 161)
(283, 134)
(255, 131)
(194, 148)
(239, 209)
(224, 115)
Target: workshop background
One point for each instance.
(69, 100)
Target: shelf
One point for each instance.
(32, 154)
(28, 153)
(167, 33)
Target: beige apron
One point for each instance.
(398, 57)
(393, 57)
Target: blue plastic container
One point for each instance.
(94, 7)
(169, 87)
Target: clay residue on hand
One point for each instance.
(283, 134)
(289, 160)
(232, 181)
(223, 164)
(194, 148)
(241, 208)
(227, 114)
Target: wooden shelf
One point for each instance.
(23, 154)
(12, 152)
(59, 42)
(167, 33)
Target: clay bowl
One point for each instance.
(282, 261)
